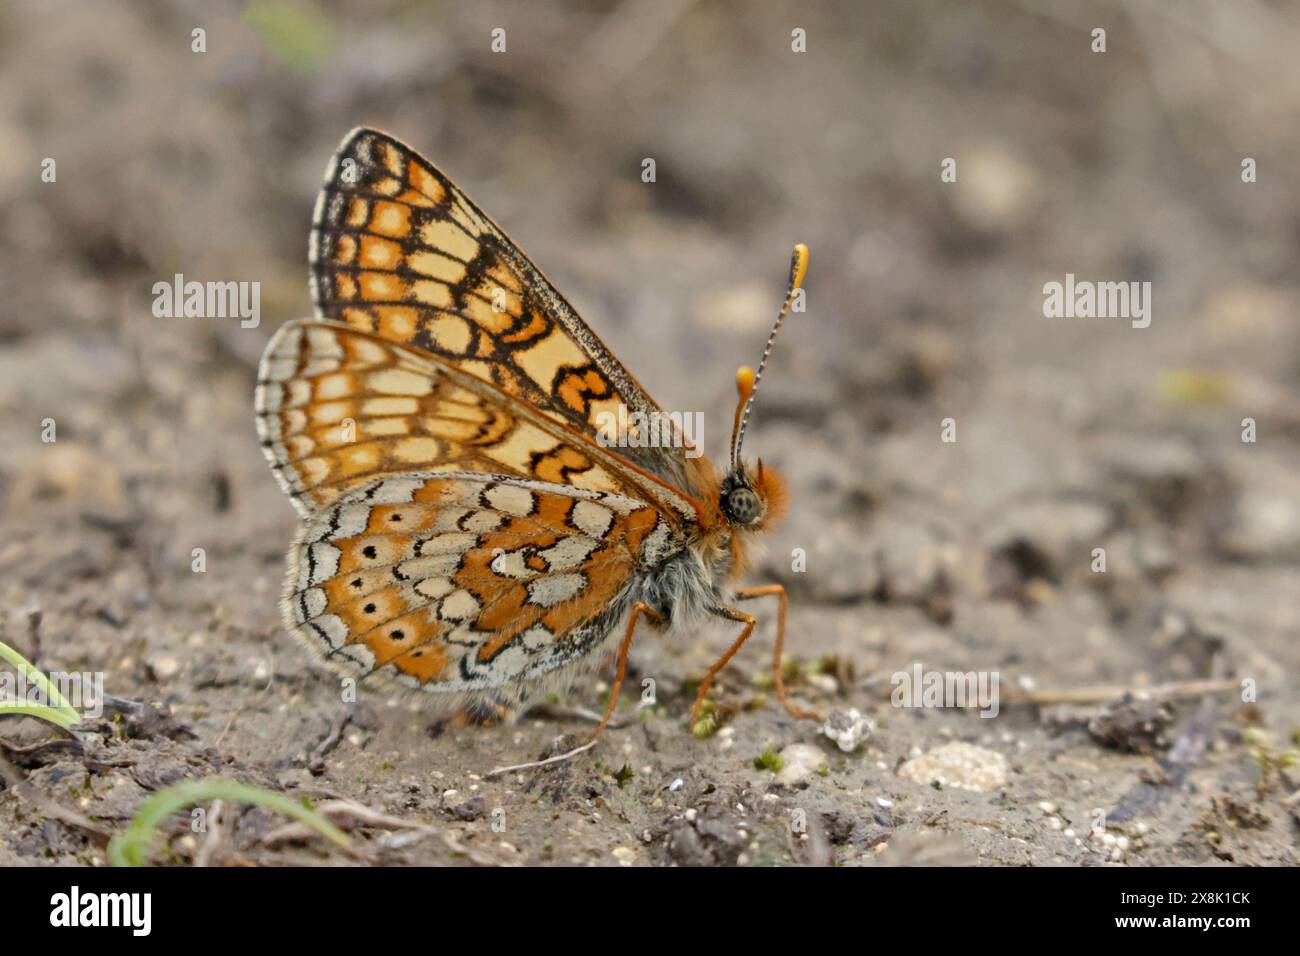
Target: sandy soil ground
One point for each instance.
(924, 304)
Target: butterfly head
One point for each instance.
(752, 497)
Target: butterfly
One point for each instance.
(442, 427)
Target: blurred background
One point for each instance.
(924, 303)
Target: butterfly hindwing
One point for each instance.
(397, 249)
(460, 583)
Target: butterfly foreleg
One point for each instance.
(735, 614)
(730, 614)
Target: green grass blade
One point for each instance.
(132, 846)
(31, 673)
(57, 717)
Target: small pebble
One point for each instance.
(848, 728)
(165, 667)
(959, 765)
(625, 855)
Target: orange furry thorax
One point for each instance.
(704, 486)
(772, 489)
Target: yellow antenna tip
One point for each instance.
(798, 266)
(744, 380)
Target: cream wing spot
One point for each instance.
(383, 427)
(395, 491)
(384, 407)
(568, 552)
(418, 449)
(317, 366)
(330, 413)
(447, 519)
(328, 631)
(267, 398)
(436, 266)
(536, 637)
(452, 542)
(547, 357)
(293, 420)
(449, 239)
(315, 470)
(511, 499)
(555, 589)
(432, 566)
(324, 561)
(352, 519)
(510, 564)
(369, 352)
(452, 333)
(460, 606)
(395, 381)
(481, 521)
(323, 343)
(510, 662)
(525, 441)
(297, 393)
(298, 446)
(431, 588)
(333, 386)
(358, 654)
(592, 519)
(279, 367)
(313, 602)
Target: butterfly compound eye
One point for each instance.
(743, 506)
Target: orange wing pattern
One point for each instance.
(467, 582)
(337, 407)
(398, 250)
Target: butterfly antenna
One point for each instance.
(747, 379)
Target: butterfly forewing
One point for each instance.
(397, 249)
(337, 407)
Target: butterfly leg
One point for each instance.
(735, 614)
(731, 614)
(637, 610)
(765, 590)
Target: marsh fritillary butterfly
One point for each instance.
(466, 532)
